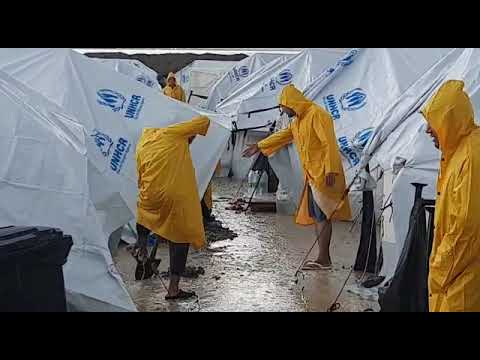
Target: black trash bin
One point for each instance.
(31, 274)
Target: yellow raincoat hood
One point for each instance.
(177, 92)
(454, 278)
(294, 99)
(450, 115)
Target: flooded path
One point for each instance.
(255, 271)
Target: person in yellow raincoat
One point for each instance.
(173, 90)
(168, 200)
(454, 277)
(207, 201)
(324, 196)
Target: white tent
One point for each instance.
(113, 108)
(198, 78)
(401, 146)
(133, 68)
(239, 74)
(44, 182)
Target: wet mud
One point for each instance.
(255, 270)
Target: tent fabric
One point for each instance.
(263, 90)
(45, 162)
(135, 69)
(199, 77)
(237, 75)
(392, 139)
(113, 108)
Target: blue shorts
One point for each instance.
(313, 208)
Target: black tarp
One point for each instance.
(367, 251)
(408, 289)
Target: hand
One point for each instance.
(330, 179)
(251, 150)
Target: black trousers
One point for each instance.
(178, 252)
(178, 258)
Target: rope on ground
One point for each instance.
(336, 305)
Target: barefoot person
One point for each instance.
(168, 201)
(313, 133)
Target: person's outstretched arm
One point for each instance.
(194, 127)
(271, 144)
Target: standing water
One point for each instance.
(255, 271)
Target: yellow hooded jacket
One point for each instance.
(176, 93)
(208, 197)
(168, 202)
(454, 278)
(313, 133)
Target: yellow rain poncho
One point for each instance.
(176, 93)
(314, 136)
(208, 197)
(454, 279)
(168, 203)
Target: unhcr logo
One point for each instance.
(349, 58)
(120, 149)
(361, 139)
(144, 80)
(116, 102)
(332, 106)
(244, 71)
(353, 100)
(103, 142)
(285, 77)
(111, 99)
(348, 152)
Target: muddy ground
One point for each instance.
(255, 271)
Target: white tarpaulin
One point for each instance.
(408, 151)
(262, 91)
(237, 75)
(44, 182)
(198, 78)
(114, 109)
(135, 69)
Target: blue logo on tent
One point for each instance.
(142, 79)
(361, 139)
(112, 99)
(353, 100)
(285, 77)
(244, 71)
(103, 141)
(349, 58)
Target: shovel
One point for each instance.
(147, 268)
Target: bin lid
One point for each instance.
(19, 240)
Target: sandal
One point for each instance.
(313, 265)
(182, 295)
